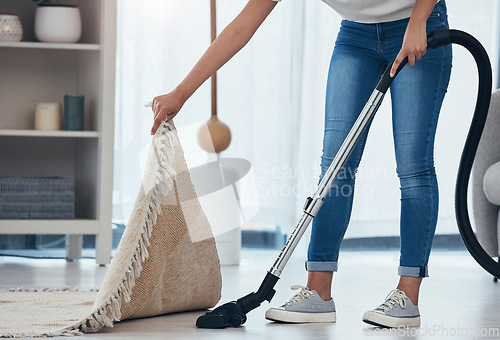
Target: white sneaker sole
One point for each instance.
(379, 319)
(275, 314)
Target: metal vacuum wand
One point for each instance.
(314, 203)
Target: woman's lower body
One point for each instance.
(361, 54)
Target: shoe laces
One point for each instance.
(395, 297)
(302, 295)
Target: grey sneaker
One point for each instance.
(396, 311)
(305, 306)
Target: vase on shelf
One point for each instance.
(73, 113)
(10, 27)
(58, 23)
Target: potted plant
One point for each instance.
(56, 22)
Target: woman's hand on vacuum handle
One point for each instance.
(415, 39)
(232, 39)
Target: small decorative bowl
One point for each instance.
(10, 27)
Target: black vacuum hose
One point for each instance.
(440, 38)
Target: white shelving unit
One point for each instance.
(41, 133)
(42, 45)
(33, 72)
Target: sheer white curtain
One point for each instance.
(265, 95)
(272, 97)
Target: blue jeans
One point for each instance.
(361, 53)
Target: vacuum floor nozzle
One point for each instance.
(227, 315)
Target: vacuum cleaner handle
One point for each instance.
(438, 38)
(386, 80)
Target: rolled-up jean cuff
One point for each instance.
(413, 271)
(321, 266)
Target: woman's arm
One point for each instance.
(232, 39)
(415, 40)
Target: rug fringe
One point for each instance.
(48, 290)
(63, 332)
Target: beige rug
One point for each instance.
(166, 261)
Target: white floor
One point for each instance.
(459, 300)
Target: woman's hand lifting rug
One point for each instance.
(166, 261)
